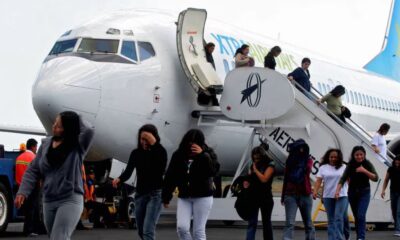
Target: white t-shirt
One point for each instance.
(379, 141)
(331, 176)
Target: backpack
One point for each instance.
(245, 203)
(296, 164)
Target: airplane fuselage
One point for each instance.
(119, 93)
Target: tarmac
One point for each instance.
(216, 230)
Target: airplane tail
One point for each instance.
(387, 62)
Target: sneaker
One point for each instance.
(33, 235)
(396, 234)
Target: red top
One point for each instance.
(290, 188)
(21, 164)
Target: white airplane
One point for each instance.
(122, 71)
(133, 67)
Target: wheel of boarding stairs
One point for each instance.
(381, 226)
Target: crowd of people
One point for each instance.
(56, 173)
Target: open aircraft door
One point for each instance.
(191, 52)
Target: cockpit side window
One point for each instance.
(146, 50)
(90, 45)
(63, 46)
(129, 50)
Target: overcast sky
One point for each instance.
(349, 32)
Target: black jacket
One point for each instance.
(150, 167)
(269, 61)
(192, 179)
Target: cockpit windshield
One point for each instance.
(63, 46)
(90, 45)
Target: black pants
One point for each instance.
(32, 221)
(266, 207)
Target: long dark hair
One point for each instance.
(275, 50)
(148, 128)
(240, 50)
(299, 152)
(339, 162)
(192, 136)
(384, 128)
(355, 149)
(72, 128)
(338, 91)
(260, 151)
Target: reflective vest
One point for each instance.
(21, 164)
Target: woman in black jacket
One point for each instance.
(191, 169)
(269, 60)
(150, 160)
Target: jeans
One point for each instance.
(395, 205)
(335, 209)
(62, 216)
(147, 212)
(199, 208)
(304, 203)
(266, 211)
(359, 201)
(346, 224)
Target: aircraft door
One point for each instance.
(190, 45)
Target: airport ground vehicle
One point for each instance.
(8, 213)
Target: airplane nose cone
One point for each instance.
(66, 83)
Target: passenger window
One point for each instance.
(319, 87)
(63, 46)
(226, 66)
(146, 50)
(325, 89)
(347, 97)
(91, 45)
(129, 50)
(352, 97)
(356, 96)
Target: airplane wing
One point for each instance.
(23, 130)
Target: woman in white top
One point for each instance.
(379, 142)
(330, 172)
(241, 57)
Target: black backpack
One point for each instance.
(245, 203)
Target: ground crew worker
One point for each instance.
(32, 208)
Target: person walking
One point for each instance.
(358, 173)
(58, 164)
(260, 183)
(209, 49)
(191, 169)
(269, 60)
(32, 204)
(393, 175)
(379, 142)
(242, 58)
(334, 102)
(330, 172)
(296, 191)
(150, 160)
(302, 76)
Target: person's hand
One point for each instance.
(166, 205)
(337, 194)
(319, 101)
(290, 78)
(254, 167)
(376, 150)
(246, 184)
(19, 200)
(361, 169)
(149, 138)
(315, 195)
(196, 149)
(115, 182)
(383, 194)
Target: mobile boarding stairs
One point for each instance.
(279, 113)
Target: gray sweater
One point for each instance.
(60, 182)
